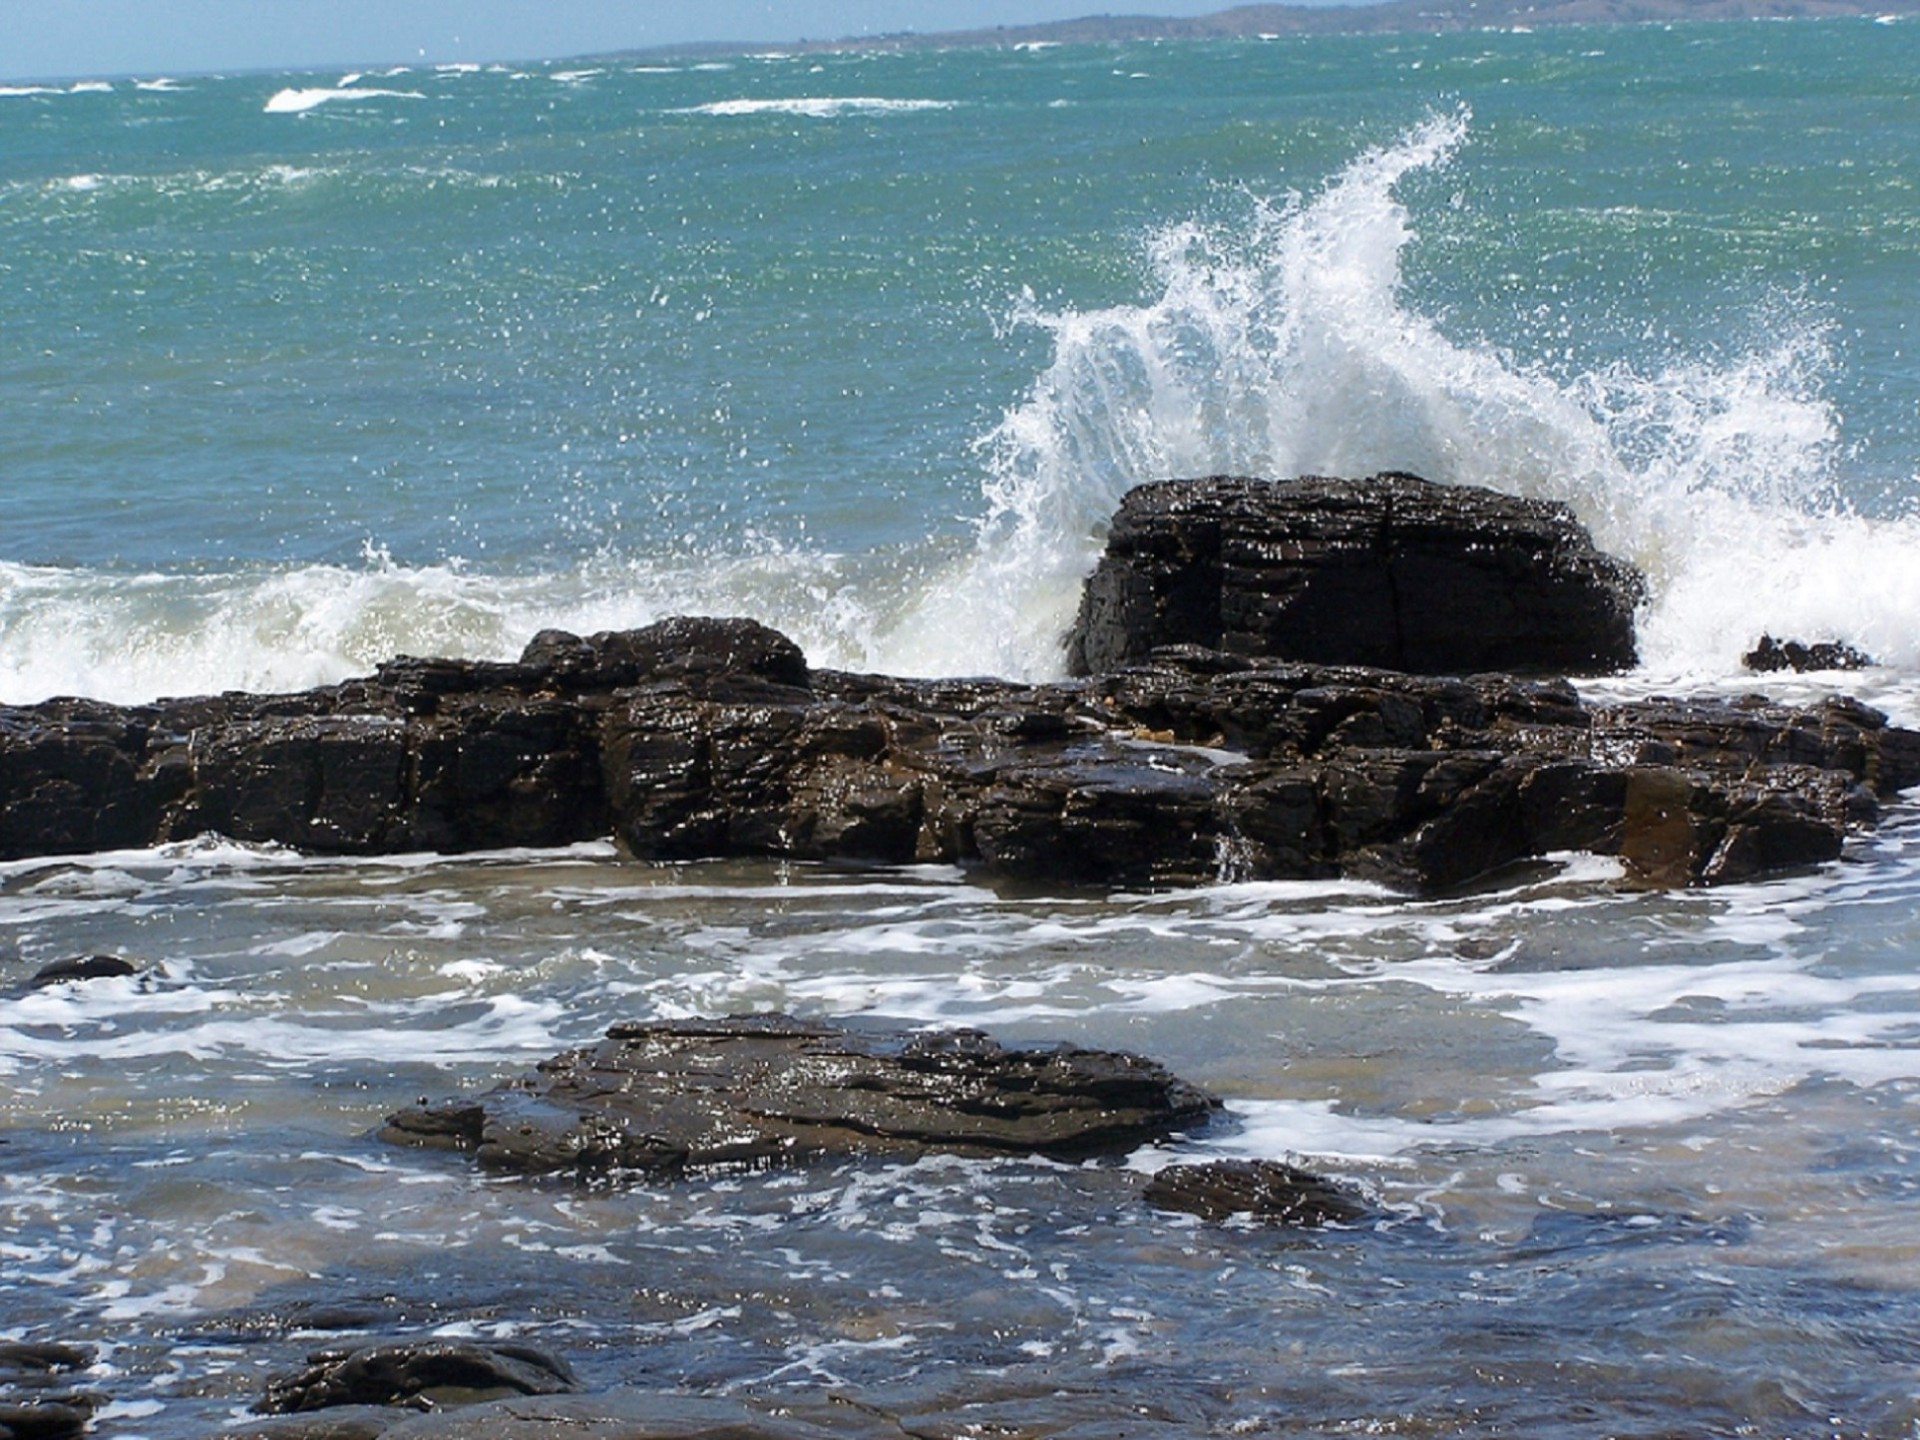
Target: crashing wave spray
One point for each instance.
(1282, 346)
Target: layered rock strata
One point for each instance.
(1393, 572)
(753, 1091)
(699, 738)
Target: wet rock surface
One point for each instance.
(1770, 655)
(1191, 765)
(81, 967)
(751, 1091)
(1179, 763)
(38, 1398)
(621, 1414)
(1265, 1190)
(422, 1374)
(1392, 571)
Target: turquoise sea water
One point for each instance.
(298, 371)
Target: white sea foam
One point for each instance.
(136, 637)
(299, 101)
(819, 107)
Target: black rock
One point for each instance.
(1263, 1189)
(43, 1357)
(697, 738)
(45, 1419)
(751, 1091)
(1392, 572)
(81, 967)
(1772, 655)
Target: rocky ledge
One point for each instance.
(752, 1091)
(1180, 763)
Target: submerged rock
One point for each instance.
(751, 1091)
(619, 1414)
(1772, 655)
(1261, 1189)
(1392, 572)
(421, 1374)
(37, 1401)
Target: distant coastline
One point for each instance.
(1392, 16)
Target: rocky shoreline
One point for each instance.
(1270, 687)
(1206, 746)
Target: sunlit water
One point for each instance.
(305, 370)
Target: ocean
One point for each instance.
(301, 371)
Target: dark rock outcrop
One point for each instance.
(700, 738)
(1392, 572)
(1772, 655)
(751, 1091)
(1260, 1189)
(37, 1401)
(421, 1374)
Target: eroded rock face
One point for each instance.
(705, 738)
(751, 1091)
(1390, 572)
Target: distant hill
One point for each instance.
(1395, 15)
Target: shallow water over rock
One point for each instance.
(1631, 1160)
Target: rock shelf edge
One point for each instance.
(702, 738)
(1226, 732)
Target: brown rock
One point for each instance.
(751, 1091)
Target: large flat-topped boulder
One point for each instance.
(750, 1091)
(1392, 572)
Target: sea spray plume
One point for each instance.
(1282, 345)
(1276, 345)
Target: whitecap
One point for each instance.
(818, 107)
(299, 101)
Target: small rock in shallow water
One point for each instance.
(43, 1358)
(81, 967)
(422, 1373)
(46, 1420)
(1264, 1189)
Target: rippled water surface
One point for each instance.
(1638, 1160)
(305, 370)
